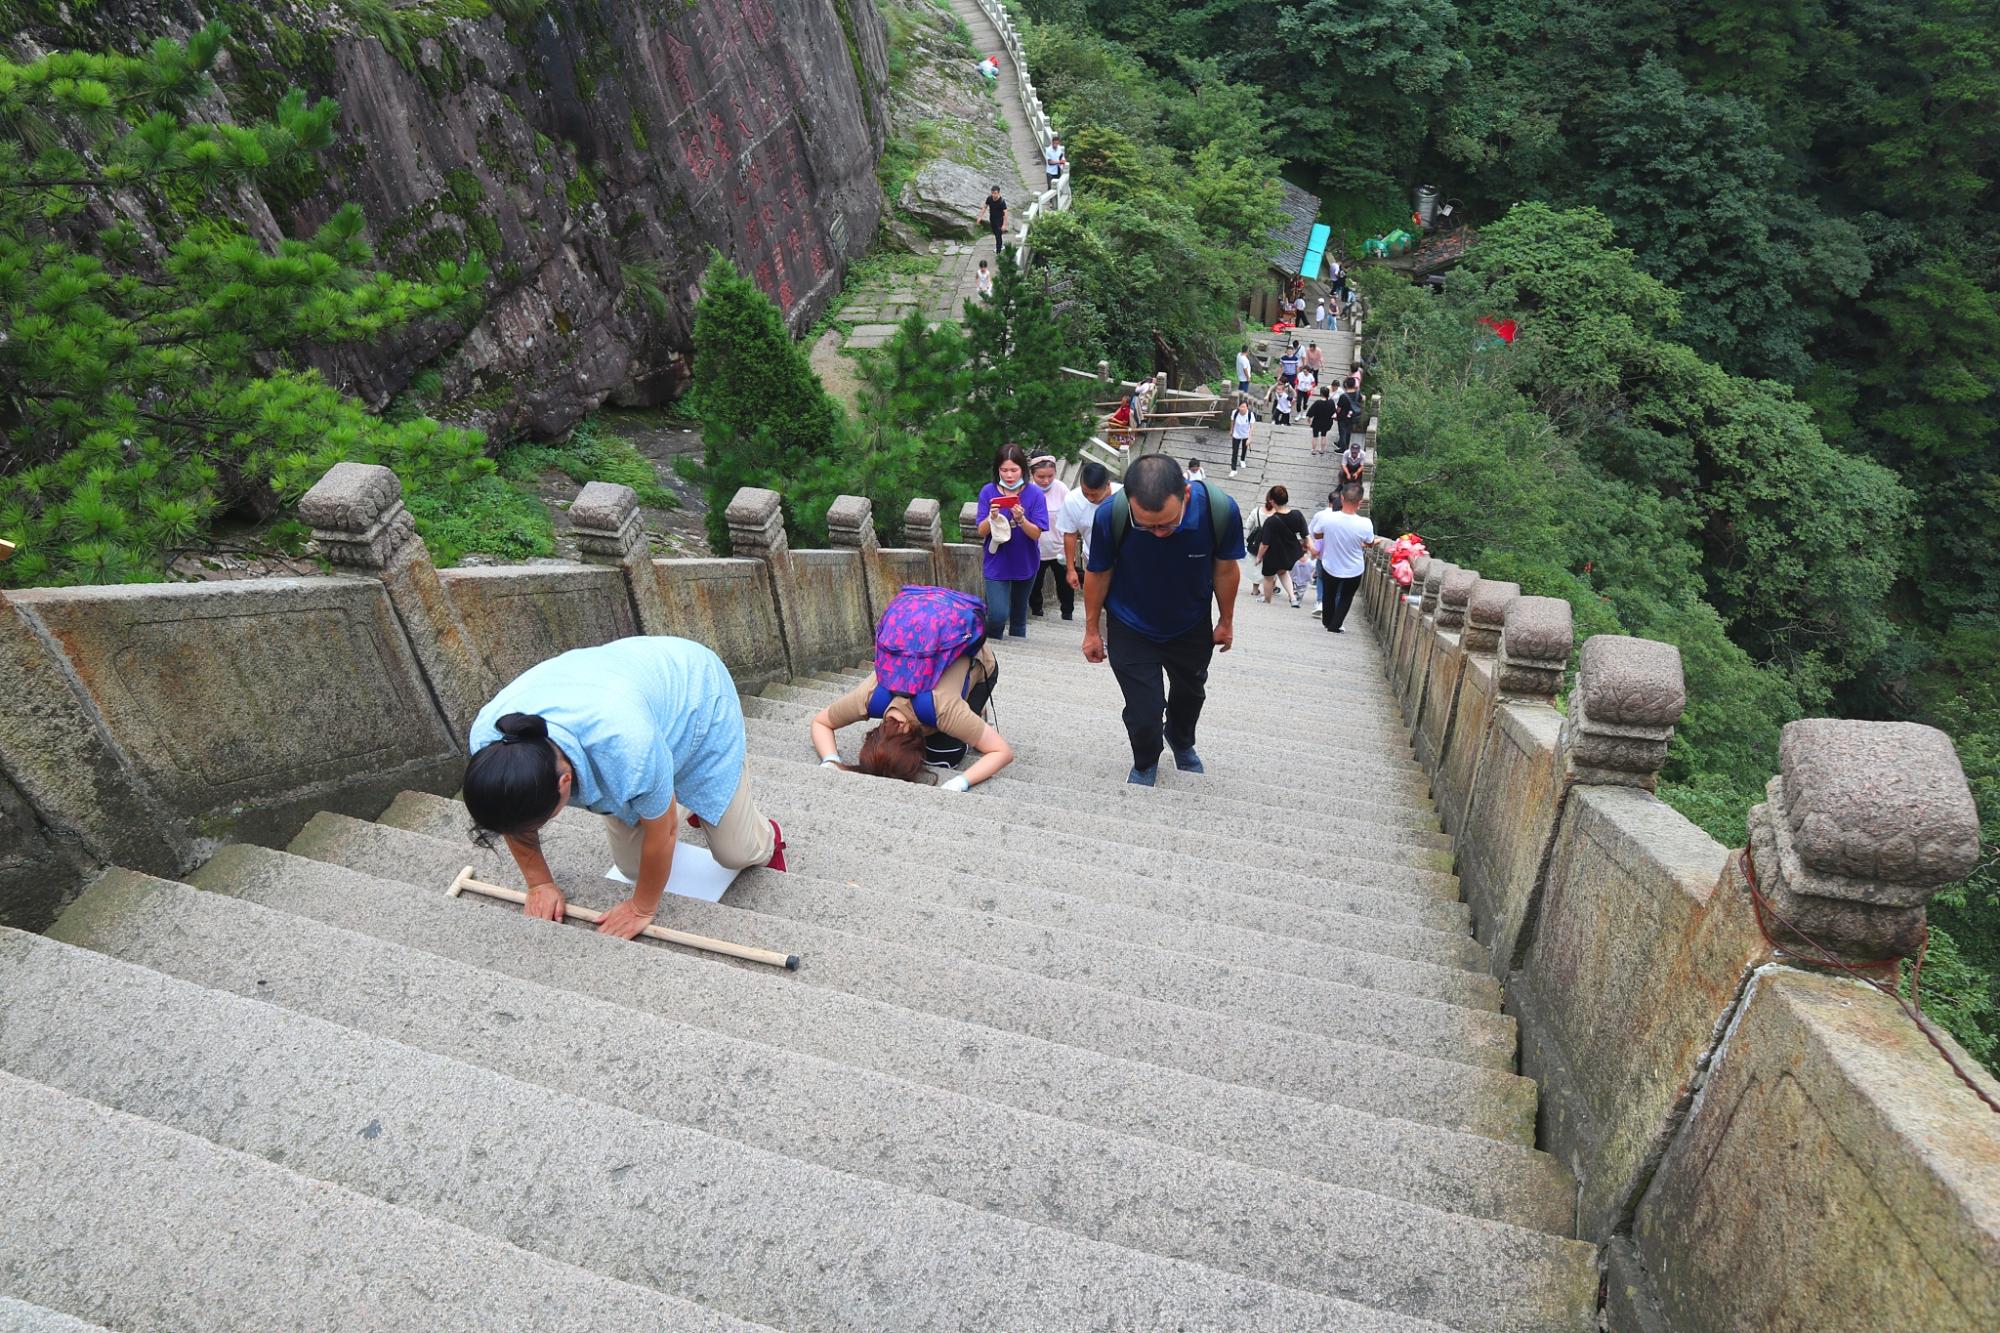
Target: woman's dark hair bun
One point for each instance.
(522, 727)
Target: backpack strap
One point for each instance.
(1218, 521)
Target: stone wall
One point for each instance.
(147, 723)
(1757, 1143)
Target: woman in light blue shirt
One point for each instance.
(633, 730)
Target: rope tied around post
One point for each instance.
(1818, 955)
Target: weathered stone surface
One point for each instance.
(1457, 770)
(605, 518)
(567, 148)
(1832, 1173)
(756, 519)
(922, 524)
(1879, 810)
(728, 605)
(1454, 593)
(850, 522)
(1486, 613)
(1639, 948)
(833, 627)
(1629, 694)
(235, 709)
(357, 515)
(1535, 645)
(947, 197)
(1507, 826)
(518, 615)
(1420, 569)
(1434, 578)
(968, 522)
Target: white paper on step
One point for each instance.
(695, 874)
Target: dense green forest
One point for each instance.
(1754, 252)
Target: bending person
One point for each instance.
(633, 730)
(932, 679)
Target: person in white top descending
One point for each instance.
(1053, 160)
(1093, 487)
(1338, 535)
(1239, 434)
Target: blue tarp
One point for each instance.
(1315, 251)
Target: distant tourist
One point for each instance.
(1042, 476)
(1243, 371)
(1239, 434)
(1339, 534)
(1155, 573)
(1347, 410)
(995, 214)
(1315, 360)
(1288, 365)
(985, 282)
(1320, 414)
(1281, 406)
(1011, 518)
(1193, 472)
(635, 730)
(1053, 160)
(1319, 316)
(1353, 465)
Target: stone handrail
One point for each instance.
(1758, 1141)
(147, 722)
(1048, 201)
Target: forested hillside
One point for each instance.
(1756, 262)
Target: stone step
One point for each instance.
(1036, 710)
(1373, 1025)
(151, 1230)
(1016, 1161)
(1363, 853)
(1049, 1072)
(21, 1317)
(575, 847)
(1098, 773)
(757, 1234)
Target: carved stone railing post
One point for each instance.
(850, 526)
(756, 519)
(1433, 585)
(1535, 645)
(923, 529)
(1454, 593)
(968, 522)
(605, 518)
(1628, 697)
(1863, 824)
(1486, 614)
(358, 518)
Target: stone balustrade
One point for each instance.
(151, 721)
(1759, 1140)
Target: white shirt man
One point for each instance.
(1338, 537)
(1053, 160)
(1073, 521)
(1243, 371)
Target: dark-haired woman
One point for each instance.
(1012, 515)
(1281, 541)
(634, 730)
(904, 748)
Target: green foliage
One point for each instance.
(590, 454)
(1018, 393)
(145, 391)
(765, 420)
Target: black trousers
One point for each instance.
(1346, 428)
(1164, 683)
(997, 237)
(1065, 595)
(1335, 597)
(942, 750)
(1239, 453)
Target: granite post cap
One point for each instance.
(753, 506)
(851, 512)
(1455, 589)
(1538, 630)
(1877, 801)
(1623, 681)
(351, 497)
(1487, 605)
(604, 506)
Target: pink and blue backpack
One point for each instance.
(922, 632)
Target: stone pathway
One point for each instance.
(873, 313)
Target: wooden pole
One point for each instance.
(788, 961)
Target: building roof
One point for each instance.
(1288, 242)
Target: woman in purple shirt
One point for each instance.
(1012, 515)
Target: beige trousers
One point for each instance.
(741, 840)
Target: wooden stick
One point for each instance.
(6, 548)
(788, 961)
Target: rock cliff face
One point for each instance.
(593, 150)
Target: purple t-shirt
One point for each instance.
(1022, 555)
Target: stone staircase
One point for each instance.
(1062, 1054)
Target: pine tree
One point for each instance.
(1019, 393)
(765, 420)
(149, 381)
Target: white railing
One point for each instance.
(1048, 201)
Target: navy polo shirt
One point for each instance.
(1162, 585)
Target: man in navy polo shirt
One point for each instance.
(1157, 582)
